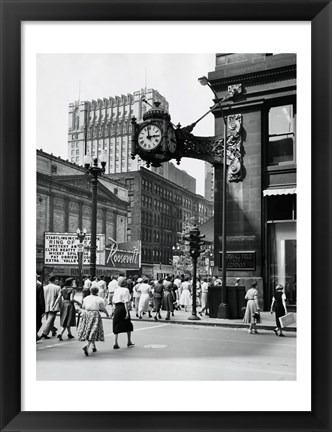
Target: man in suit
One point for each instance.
(40, 305)
(51, 292)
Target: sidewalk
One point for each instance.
(181, 317)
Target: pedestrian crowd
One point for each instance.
(144, 295)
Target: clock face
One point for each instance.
(171, 140)
(149, 137)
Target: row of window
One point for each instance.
(156, 255)
(146, 218)
(146, 185)
(162, 207)
(147, 201)
(120, 128)
(163, 192)
(162, 221)
(149, 235)
(186, 203)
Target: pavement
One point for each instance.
(182, 317)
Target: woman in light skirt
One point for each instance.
(252, 313)
(91, 325)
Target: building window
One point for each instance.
(129, 184)
(131, 200)
(282, 122)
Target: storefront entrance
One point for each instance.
(282, 258)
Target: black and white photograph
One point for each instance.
(155, 245)
(166, 218)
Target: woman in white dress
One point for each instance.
(143, 305)
(137, 294)
(185, 299)
(205, 291)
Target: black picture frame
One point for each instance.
(319, 13)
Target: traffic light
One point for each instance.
(195, 242)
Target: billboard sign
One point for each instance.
(123, 255)
(63, 248)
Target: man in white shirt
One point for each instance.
(51, 292)
(95, 282)
(87, 282)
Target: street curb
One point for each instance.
(215, 324)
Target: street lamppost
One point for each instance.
(95, 171)
(80, 249)
(223, 311)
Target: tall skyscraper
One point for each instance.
(105, 125)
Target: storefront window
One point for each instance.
(282, 240)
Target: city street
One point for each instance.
(169, 351)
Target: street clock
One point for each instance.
(150, 137)
(154, 140)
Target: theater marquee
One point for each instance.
(61, 249)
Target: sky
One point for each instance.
(64, 78)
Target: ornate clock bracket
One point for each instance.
(211, 149)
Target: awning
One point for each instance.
(284, 191)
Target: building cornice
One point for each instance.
(48, 181)
(281, 74)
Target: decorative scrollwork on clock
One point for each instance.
(211, 149)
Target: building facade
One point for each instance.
(158, 211)
(261, 206)
(209, 182)
(64, 204)
(134, 206)
(105, 125)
